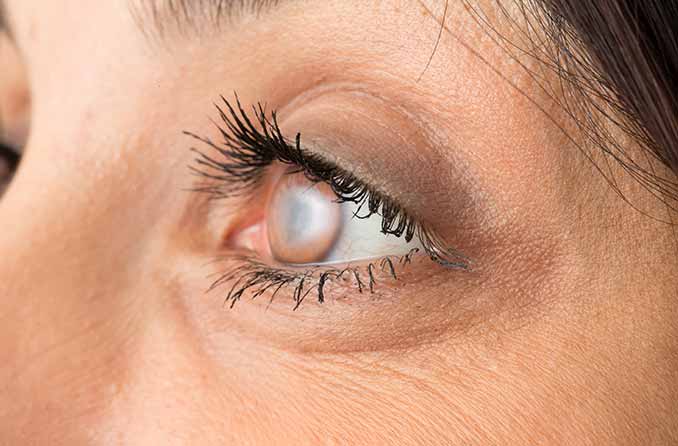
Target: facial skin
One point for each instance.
(563, 332)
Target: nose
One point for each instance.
(63, 298)
(89, 334)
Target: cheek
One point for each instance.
(519, 388)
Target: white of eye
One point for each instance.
(361, 238)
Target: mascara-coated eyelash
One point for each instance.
(258, 277)
(237, 164)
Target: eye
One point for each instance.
(300, 220)
(14, 109)
(9, 160)
(306, 223)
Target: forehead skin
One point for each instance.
(564, 334)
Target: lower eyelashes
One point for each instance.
(257, 278)
(314, 224)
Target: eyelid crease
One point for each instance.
(249, 147)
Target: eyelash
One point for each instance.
(259, 277)
(247, 150)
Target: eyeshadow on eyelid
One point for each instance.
(409, 163)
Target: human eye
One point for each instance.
(9, 160)
(307, 222)
(14, 110)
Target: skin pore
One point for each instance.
(563, 332)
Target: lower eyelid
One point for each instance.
(249, 278)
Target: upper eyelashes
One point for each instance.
(250, 145)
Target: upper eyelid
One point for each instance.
(306, 161)
(249, 148)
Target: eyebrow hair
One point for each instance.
(158, 19)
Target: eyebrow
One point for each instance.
(159, 19)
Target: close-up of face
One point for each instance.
(305, 222)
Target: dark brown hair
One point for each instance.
(620, 57)
(617, 61)
(633, 49)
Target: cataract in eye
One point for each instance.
(305, 223)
